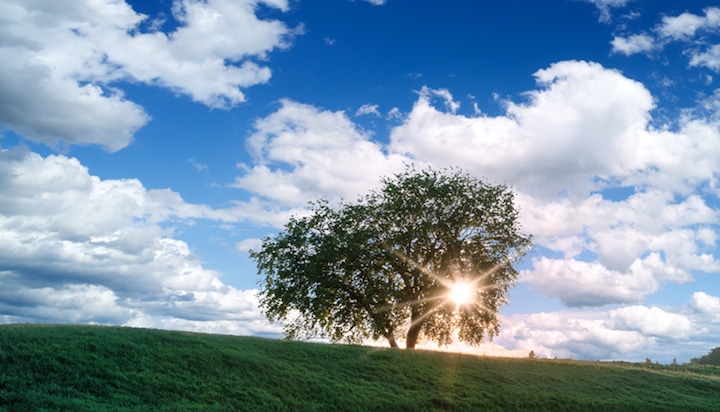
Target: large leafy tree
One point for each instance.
(430, 253)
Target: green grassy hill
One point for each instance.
(78, 368)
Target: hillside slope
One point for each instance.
(50, 367)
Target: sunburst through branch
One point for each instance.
(462, 290)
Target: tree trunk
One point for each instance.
(391, 340)
(414, 330)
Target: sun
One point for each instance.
(461, 292)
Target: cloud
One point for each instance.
(585, 128)
(249, 244)
(617, 230)
(76, 248)
(574, 335)
(706, 306)
(692, 30)
(631, 333)
(651, 322)
(605, 7)
(41, 107)
(636, 43)
(686, 25)
(394, 113)
(582, 284)
(197, 165)
(368, 109)
(302, 153)
(556, 142)
(709, 58)
(638, 243)
(60, 66)
(376, 2)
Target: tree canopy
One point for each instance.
(429, 254)
(712, 358)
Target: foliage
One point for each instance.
(385, 264)
(83, 368)
(712, 358)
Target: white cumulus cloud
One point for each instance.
(696, 33)
(50, 95)
(76, 248)
(556, 142)
(582, 284)
(636, 43)
(686, 25)
(631, 333)
(303, 153)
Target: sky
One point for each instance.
(146, 146)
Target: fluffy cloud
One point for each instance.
(686, 25)
(687, 28)
(302, 153)
(49, 96)
(43, 106)
(586, 121)
(706, 306)
(630, 333)
(710, 58)
(640, 243)
(651, 322)
(620, 231)
(575, 335)
(579, 284)
(75, 248)
(636, 43)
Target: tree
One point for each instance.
(430, 253)
(712, 358)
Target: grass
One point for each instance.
(92, 368)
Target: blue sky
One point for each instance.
(147, 145)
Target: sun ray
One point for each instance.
(408, 303)
(462, 290)
(425, 315)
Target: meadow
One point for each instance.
(97, 368)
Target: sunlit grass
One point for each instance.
(82, 368)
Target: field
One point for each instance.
(93, 368)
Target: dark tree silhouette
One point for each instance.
(386, 265)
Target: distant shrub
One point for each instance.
(531, 355)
